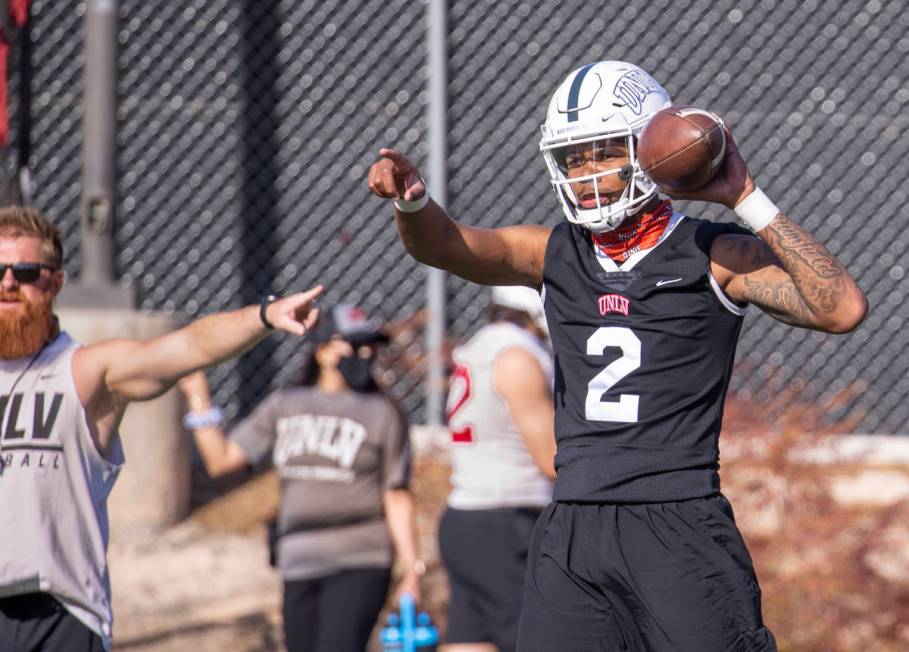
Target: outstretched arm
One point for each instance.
(110, 374)
(143, 370)
(784, 271)
(506, 256)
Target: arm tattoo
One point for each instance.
(816, 283)
(779, 299)
(817, 276)
(790, 275)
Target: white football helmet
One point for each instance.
(519, 297)
(602, 100)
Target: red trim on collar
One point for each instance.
(620, 244)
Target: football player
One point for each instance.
(500, 415)
(639, 549)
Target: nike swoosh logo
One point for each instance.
(672, 280)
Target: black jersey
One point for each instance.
(643, 358)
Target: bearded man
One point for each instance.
(60, 451)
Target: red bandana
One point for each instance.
(620, 244)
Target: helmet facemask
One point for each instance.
(594, 210)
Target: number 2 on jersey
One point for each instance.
(458, 393)
(626, 408)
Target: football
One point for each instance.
(682, 147)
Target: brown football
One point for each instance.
(682, 147)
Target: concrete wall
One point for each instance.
(153, 491)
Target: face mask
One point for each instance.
(357, 373)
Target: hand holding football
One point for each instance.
(682, 147)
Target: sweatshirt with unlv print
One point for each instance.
(335, 454)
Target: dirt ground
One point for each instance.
(203, 585)
(829, 541)
(206, 586)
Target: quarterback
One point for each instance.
(639, 549)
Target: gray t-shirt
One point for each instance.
(335, 454)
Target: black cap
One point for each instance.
(350, 323)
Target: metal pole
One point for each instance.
(24, 134)
(438, 181)
(99, 149)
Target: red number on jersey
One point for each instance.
(458, 393)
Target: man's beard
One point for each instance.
(24, 331)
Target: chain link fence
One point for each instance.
(247, 127)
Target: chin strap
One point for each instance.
(619, 244)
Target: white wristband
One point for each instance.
(213, 416)
(412, 206)
(756, 210)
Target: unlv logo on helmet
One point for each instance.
(633, 87)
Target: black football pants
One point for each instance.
(655, 577)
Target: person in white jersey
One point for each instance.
(60, 451)
(500, 414)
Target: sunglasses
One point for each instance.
(25, 272)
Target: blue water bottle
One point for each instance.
(427, 636)
(409, 631)
(390, 636)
